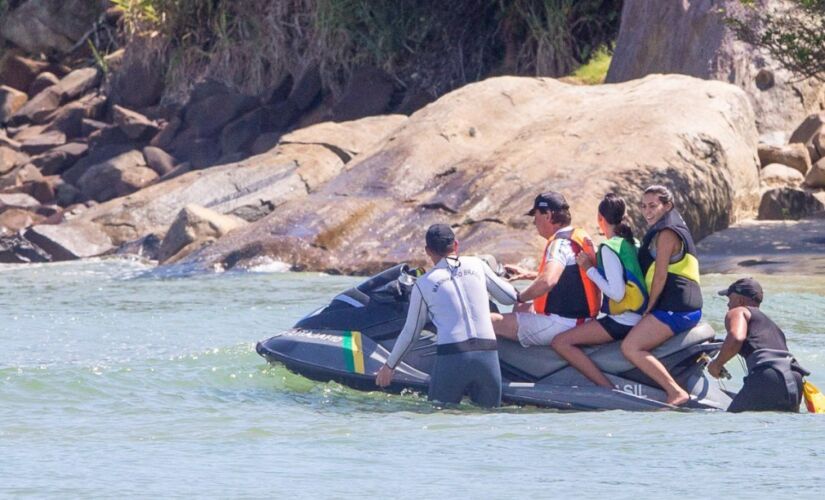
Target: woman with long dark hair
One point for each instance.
(618, 275)
(668, 259)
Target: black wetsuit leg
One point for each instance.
(765, 390)
(476, 372)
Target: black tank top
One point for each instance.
(762, 334)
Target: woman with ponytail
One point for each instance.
(618, 275)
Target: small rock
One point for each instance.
(7, 142)
(66, 194)
(195, 224)
(816, 175)
(413, 101)
(27, 173)
(265, 142)
(89, 126)
(177, 171)
(41, 82)
(70, 241)
(10, 159)
(808, 129)
(40, 190)
(147, 247)
(96, 155)
(278, 117)
(118, 176)
(108, 136)
(239, 134)
(132, 123)
(164, 138)
(208, 116)
(38, 109)
(819, 144)
(788, 203)
(43, 142)
(56, 160)
(77, 83)
(159, 160)
(11, 100)
(68, 120)
(13, 220)
(777, 175)
(18, 200)
(19, 72)
(793, 155)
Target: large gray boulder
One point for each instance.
(691, 38)
(68, 242)
(48, 26)
(477, 157)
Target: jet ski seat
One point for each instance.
(541, 361)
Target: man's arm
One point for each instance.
(416, 319)
(736, 324)
(544, 282)
(501, 291)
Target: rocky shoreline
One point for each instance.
(93, 162)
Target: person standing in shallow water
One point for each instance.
(453, 294)
(774, 380)
(618, 275)
(668, 259)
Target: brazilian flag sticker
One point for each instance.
(353, 352)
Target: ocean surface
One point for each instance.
(117, 383)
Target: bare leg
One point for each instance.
(566, 345)
(646, 335)
(505, 325)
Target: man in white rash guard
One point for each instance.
(453, 294)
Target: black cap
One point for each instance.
(548, 201)
(440, 238)
(746, 287)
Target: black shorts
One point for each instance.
(616, 330)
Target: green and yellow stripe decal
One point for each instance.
(353, 352)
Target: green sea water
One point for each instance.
(115, 383)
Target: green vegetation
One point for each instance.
(795, 37)
(429, 45)
(595, 71)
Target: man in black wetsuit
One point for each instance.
(774, 380)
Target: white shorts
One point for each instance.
(540, 329)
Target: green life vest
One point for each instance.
(635, 292)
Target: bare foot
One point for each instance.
(678, 399)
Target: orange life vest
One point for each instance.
(581, 242)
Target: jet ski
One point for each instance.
(349, 339)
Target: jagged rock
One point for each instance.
(55, 161)
(9, 159)
(209, 115)
(278, 117)
(307, 89)
(77, 240)
(96, 155)
(11, 100)
(19, 72)
(47, 26)
(692, 38)
(159, 160)
(413, 101)
(27, 173)
(778, 175)
(7, 142)
(816, 175)
(164, 138)
(793, 155)
(41, 190)
(118, 176)
(808, 132)
(179, 170)
(193, 227)
(788, 203)
(368, 93)
(239, 134)
(132, 123)
(110, 135)
(77, 83)
(43, 143)
(200, 152)
(18, 200)
(68, 120)
(15, 249)
(147, 247)
(38, 109)
(15, 219)
(41, 82)
(476, 158)
(88, 126)
(25, 133)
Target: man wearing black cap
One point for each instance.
(774, 380)
(453, 295)
(562, 295)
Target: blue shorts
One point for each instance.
(678, 322)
